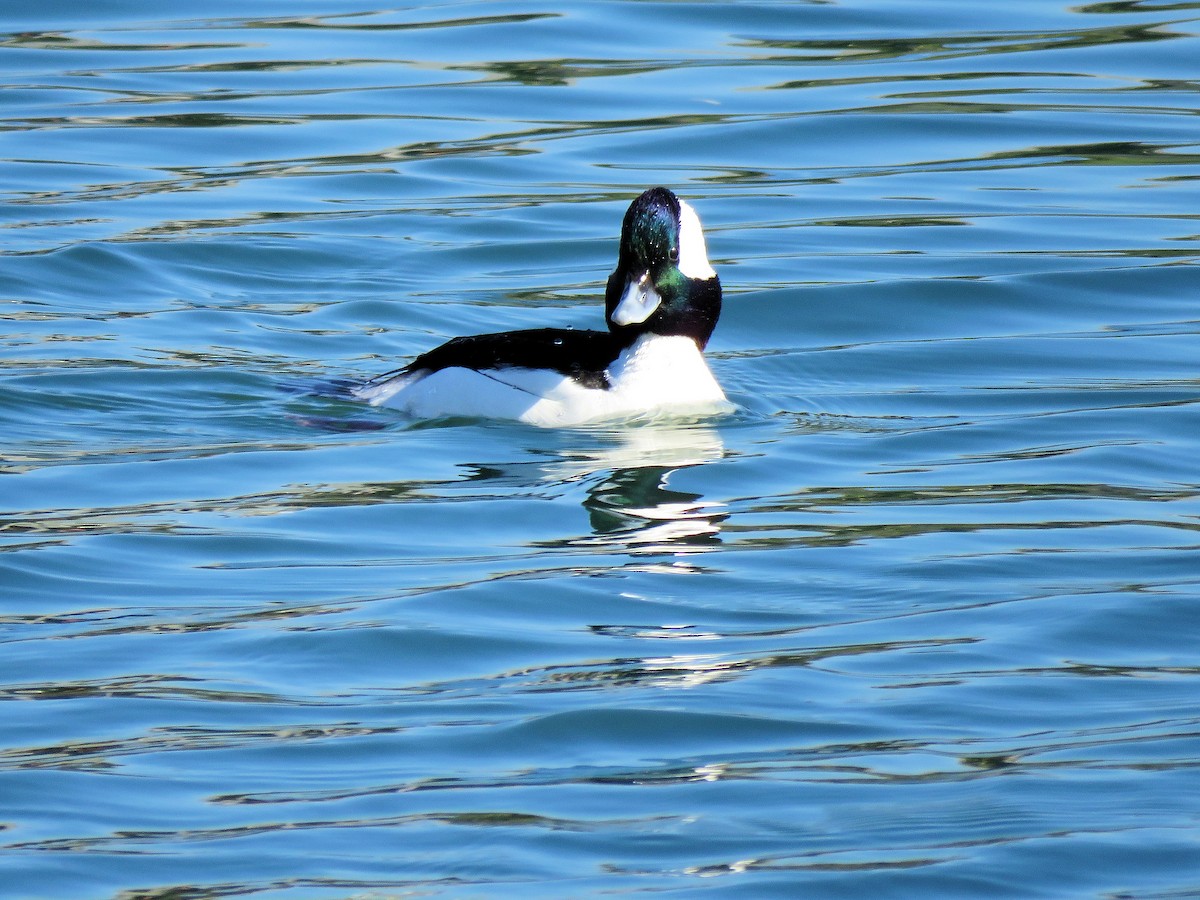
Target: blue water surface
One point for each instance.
(920, 619)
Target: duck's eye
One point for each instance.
(675, 253)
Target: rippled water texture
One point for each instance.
(919, 620)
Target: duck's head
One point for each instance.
(663, 283)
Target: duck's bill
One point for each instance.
(638, 303)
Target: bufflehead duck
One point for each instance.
(661, 305)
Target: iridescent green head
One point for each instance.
(663, 283)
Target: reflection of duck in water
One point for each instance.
(639, 509)
(661, 305)
(626, 476)
(636, 506)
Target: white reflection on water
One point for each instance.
(635, 506)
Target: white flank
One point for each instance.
(693, 255)
(490, 394)
(638, 302)
(656, 376)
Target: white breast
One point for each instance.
(656, 375)
(664, 373)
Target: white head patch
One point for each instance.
(693, 255)
(638, 303)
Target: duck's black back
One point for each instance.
(582, 355)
